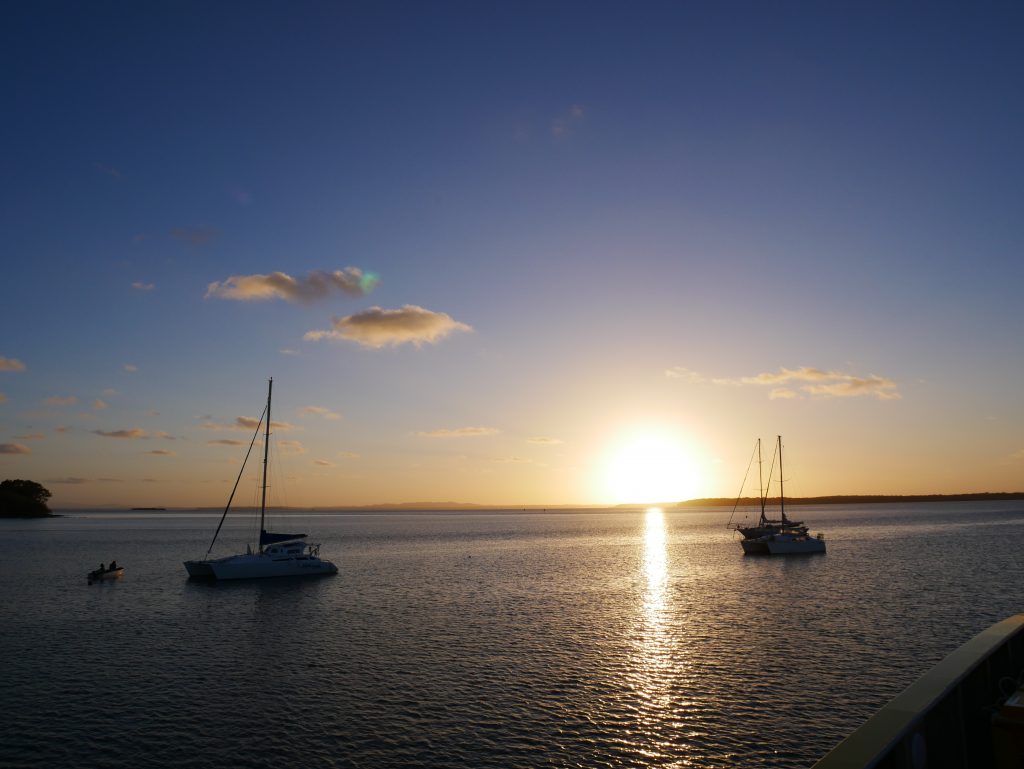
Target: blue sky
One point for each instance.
(622, 224)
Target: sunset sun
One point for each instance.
(651, 465)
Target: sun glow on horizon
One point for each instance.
(651, 465)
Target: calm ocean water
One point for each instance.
(611, 639)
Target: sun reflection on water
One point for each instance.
(654, 660)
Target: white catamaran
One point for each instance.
(276, 555)
(775, 537)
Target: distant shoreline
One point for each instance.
(859, 499)
(437, 507)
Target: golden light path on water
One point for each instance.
(655, 664)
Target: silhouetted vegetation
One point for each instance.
(23, 499)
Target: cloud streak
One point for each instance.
(247, 424)
(132, 433)
(377, 327)
(14, 448)
(320, 411)
(196, 236)
(459, 432)
(59, 400)
(11, 364)
(788, 384)
(279, 285)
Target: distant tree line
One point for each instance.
(858, 499)
(23, 499)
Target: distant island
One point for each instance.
(23, 499)
(470, 507)
(858, 499)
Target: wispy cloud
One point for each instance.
(31, 437)
(292, 447)
(14, 448)
(321, 411)
(3, 398)
(131, 368)
(513, 460)
(196, 236)
(278, 285)
(11, 364)
(804, 381)
(679, 372)
(240, 195)
(1014, 458)
(161, 453)
(348, 455)
(377, 327)
(459, 432)
(99, 405)
(70, 481)
(247, 424)
(61, 400)
(562, 124)
(140, 286)
(131, 433)
(112, 172)
(323, 463)
(543, 440)
(226, 442)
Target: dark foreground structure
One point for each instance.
(965, 713)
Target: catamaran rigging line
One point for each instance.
(239, 478)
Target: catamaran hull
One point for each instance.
(755, 547)
(779, 546)
(259, 567)
(796, 547)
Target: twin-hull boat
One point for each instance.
(276, 554)
(776, 537)
(289, 559)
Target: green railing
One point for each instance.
(944, 719)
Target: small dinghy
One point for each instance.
(113, 573)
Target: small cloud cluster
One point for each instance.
(11, 364)
(196, 236)
(459, 432)
(564, 123)
(321, 411)
(140, 286)
(113, 172)
(226, 442)
(278, 285)
(377, 327)
(544, 440)
(247, 424)
(132, 433)
(816, 383)
(61, 400)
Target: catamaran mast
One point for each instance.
(760, 482)
(266, 449)
(782, 495)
